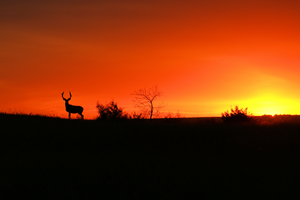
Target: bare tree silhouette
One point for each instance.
(72, 109)
(144, 99)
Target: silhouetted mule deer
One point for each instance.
(72, 109)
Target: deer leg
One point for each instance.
(81, 115)
(69, 115)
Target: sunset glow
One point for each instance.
(206, 57)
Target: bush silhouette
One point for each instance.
(110, 111)
(236, 115)
(136, 115)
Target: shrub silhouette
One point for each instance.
(110, 111)
(236, 115)
(135, 115)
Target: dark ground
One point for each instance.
(59, 159)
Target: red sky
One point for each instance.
(206, 56)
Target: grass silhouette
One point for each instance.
(50, 157)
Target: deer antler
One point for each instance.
(70, 95)
(62, 94)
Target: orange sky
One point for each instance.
(206, 56)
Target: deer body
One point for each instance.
(72, 109)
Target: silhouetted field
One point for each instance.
(58, 158)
